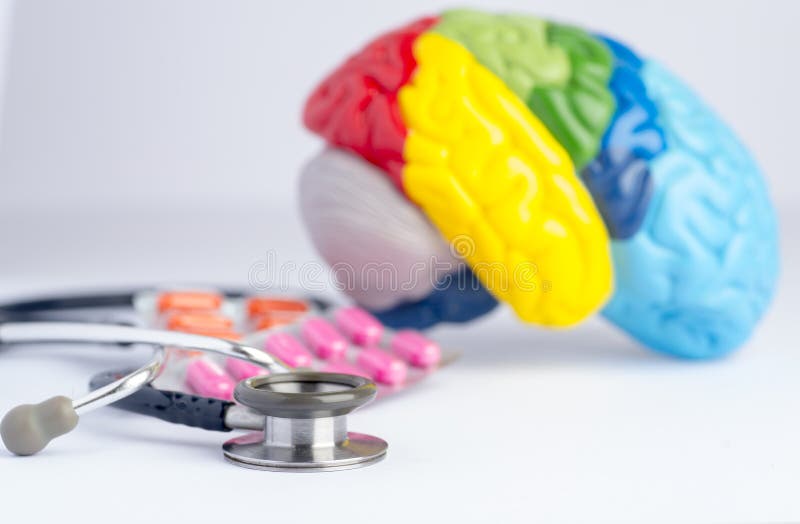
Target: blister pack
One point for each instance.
(304, 333)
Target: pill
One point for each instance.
(199, 320)
(340, 366)
(227, 334)
(260, 305)
(274, 319)
(208, 379)
(288, 349)
(415, 348)
(324, 339)
(382, 367)
(188, 301)
(240, 369)
(359, 326)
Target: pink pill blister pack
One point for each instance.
(297, 331)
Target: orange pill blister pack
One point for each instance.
(302, 332)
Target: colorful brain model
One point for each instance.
(509, 158)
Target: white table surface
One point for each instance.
(527, 426)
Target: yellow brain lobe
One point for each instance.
(497, 184)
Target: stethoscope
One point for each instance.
(301, 415)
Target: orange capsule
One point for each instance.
(227, 334)
(270, 320)
(189, 301)
(261, 305)
(199, 320)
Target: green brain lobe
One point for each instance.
(560, 72)
(515, 48)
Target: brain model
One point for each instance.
(476, 158)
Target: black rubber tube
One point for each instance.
(170, 406)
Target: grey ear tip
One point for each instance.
(28, 428)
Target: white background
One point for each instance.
(151, 141)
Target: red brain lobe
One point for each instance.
(355, 107)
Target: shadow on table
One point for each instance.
(502, 340)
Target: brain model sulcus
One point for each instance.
(474, 158)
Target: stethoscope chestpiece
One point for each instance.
(305, 423)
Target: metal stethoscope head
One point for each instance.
(303, 414)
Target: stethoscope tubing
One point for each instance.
(32, 309)
(177, 407)
(75, 332)
(21, 321)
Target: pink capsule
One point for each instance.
(324, 339)
(240, 369)
(361, 327)
(382, 367)
(416, 349)
(208, 379)
(340, 366)
(290, 350)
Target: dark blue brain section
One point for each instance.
(459, 297)
(619, 177)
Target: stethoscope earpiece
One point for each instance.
(28, 428)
